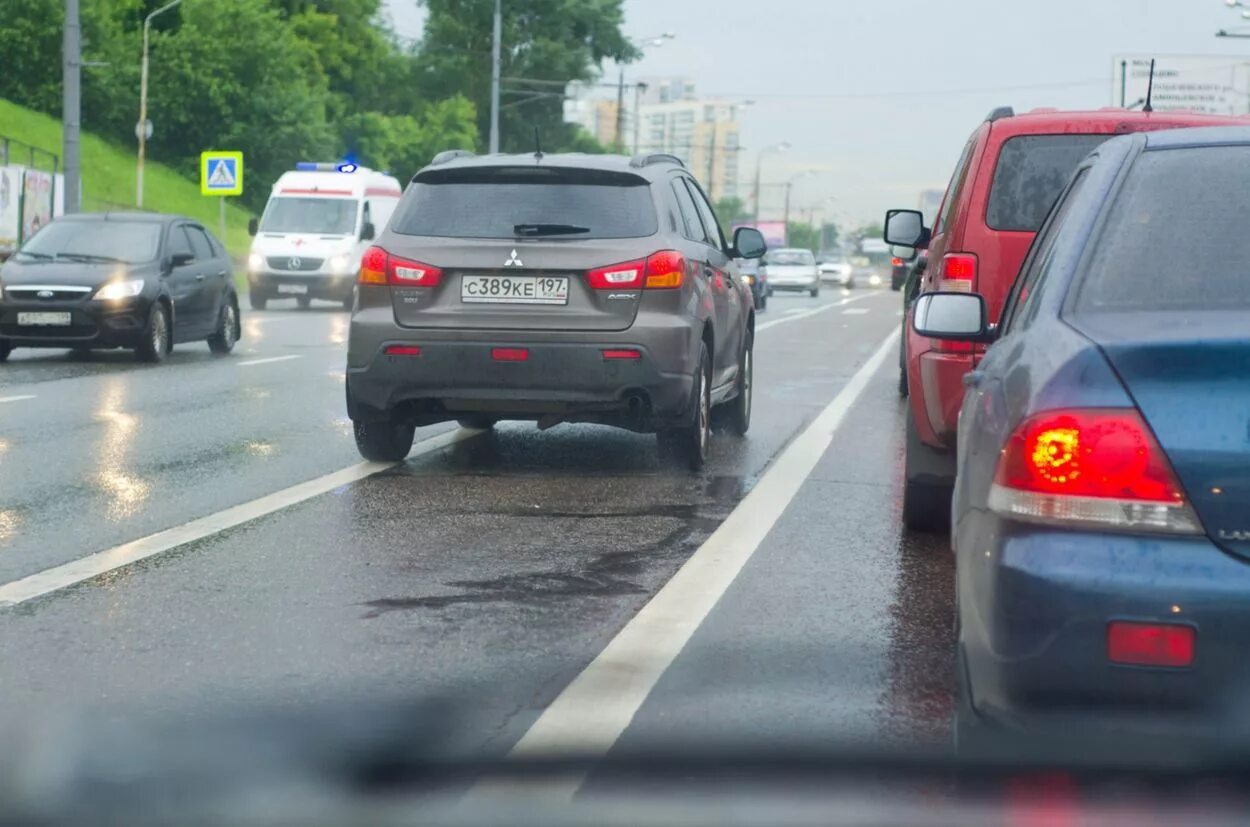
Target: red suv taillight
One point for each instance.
(1092, 467)
(380, 267)
(663, 270)
(958, 273)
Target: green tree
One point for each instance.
(547, 43)
(402, 144)
(729, 211)
(802, 234)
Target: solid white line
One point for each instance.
(805, 313)
(68, 574)
(592, 712)
(16, 398)
(855, 311)
(268, 360)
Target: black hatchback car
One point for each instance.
(108, 280)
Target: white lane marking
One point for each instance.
(794, 310)
(268, 360)
(591, 713)
(16, 398)
(855, 311)
(76, 571)
(805, 313)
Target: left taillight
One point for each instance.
(1090, 467)
(377, 266)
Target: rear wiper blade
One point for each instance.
(548, 229)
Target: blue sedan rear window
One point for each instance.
(1176, 236)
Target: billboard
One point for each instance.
(36, 201)
(1196, 83)
(10, 206)
(774, 232)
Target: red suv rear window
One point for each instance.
(1030, 174)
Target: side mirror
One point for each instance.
(180, 260)
(905, 253)
(253, 226)
(906, 229)
(749, 243)
(367, 231)
(952, 316)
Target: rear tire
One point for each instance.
(304, 302)
(156, 336)
(257, 299)
(383, 440)
(477, 423)
(349, 302)
(902, 366)
(740, 405)
(690, 442)
(6, 347)
(927, 499)
(227, 334)
(815, 291)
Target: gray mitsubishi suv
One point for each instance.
(552, 288)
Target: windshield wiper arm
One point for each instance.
(41, 256)
(86, 257)
(548, 229)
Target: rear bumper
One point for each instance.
(92, 324)
(565, 375)
(1034, 613)
(314, 285)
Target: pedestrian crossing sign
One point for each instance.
(221, 173)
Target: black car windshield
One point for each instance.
(324, 216)
(507, 205)
(128, 241)
(789, 257)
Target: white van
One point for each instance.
(316, 226)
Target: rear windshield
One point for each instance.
(1031, 172)
(555, 204)
(789, 257)
(1176, 238)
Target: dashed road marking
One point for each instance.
(16, 398)
(269, 360)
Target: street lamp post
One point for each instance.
(790, 186)
(759, 160)
(657, 40)
(141, 131)
(496, 45)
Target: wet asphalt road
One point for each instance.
(495, 569)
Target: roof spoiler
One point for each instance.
(646, 159)
(450, 155)
(998, 113)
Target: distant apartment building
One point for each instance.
(702, 133)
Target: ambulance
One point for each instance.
(317, 224)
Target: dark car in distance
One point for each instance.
(552, 288)
(110, 280)
(1102, 504)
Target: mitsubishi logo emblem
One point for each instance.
(513, 261)
(295, 263)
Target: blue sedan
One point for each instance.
(1101, 516)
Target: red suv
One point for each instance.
(1007, 178)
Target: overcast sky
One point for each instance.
(878, 96)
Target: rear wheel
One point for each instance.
(383, 440)
(477, 423)
(6, 348)
(690, 442)
(155, 344)
(223, 339)
(927, 486)
(304, 302)
(815, 291)
(349, 302)
(740, 406)
(257, 299)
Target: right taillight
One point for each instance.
(665, 269)
(1093, 467)
(377, 266)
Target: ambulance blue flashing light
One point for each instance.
(314, 166)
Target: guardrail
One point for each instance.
(13, 151)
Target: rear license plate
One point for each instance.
(294, 289)
(47, 319)
(515, 289)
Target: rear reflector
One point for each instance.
(1151, 644)
(1093, 467)
(403, 350)
(509, 354)
(621, 354)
